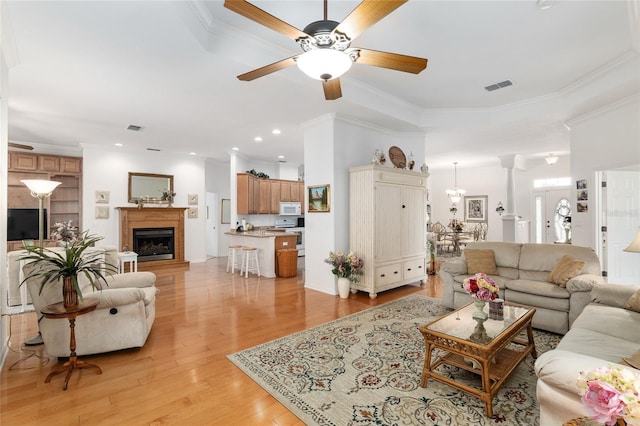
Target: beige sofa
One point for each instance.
(601, 336)
(522, 278)
(122, 320)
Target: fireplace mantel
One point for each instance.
(154, 217)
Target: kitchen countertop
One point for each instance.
(257, 234)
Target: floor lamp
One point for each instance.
(634, 247)
(40, 189)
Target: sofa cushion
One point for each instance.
(565, 269)
(540, 288)
(633, 303)
(506, 254)
(543, 257)
(483, 261)
(604, 346)
(537, 301)
(615, 322)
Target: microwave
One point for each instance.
(290, 209)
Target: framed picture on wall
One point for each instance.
(102, 197)
(475, 208)
(319, 199)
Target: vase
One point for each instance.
(64, 244)
(344, 286)
(479, 312)
(70, 297)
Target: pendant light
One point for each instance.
(455, 194)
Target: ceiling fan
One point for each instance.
(326, 44)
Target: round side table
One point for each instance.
(58, 311)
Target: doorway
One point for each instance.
(552, 213)
(619, 223)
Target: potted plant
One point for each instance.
(52, 266)
(347, 267)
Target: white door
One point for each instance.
(622, 197)
(551, 207)
(212, 219)
(414, 231)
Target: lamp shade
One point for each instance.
(634, 247)
(41, 187)
(324, 64)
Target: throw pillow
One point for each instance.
(633, 360)
(633, 303)
(481, 261)
(566, 268)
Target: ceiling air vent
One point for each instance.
(500, 85)
(134, 128)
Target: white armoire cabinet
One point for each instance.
(387, 227)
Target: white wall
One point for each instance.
(607, 139)
(332, 145)
(107, 170)
(217, 181)
(4, 285)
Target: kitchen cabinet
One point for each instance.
(388, 226)
(65, 202)
(263, 196)
(275, 196)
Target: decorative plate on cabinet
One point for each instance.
(397, 157)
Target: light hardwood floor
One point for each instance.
(181, 375)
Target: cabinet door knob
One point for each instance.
(381, 275)
(395, 272)
(403, 206)
(408, 269)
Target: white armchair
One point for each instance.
(122, 320)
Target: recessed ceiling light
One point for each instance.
(192, 153)
(281, 156)
(235, 148)
(118, 144)
(276, 131)
(257, 139)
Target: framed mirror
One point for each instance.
(148, 187)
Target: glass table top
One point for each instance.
(460, 324)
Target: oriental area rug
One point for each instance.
(365, 369)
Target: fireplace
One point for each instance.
(154, 243)
(165, 251)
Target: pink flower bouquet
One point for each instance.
(481, 287)
(611, 393)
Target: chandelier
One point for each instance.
(455, 194)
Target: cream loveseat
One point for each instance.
(602, 335)
(122, 320)
(522, 278)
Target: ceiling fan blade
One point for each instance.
(392, 61)
(258, 15)
(20, 146)
(365, 15)
(332, 90)
(267, 69)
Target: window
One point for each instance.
(543, 183)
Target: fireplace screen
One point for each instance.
(154, 243)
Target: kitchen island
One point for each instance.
(267, 242)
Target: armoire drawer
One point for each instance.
(388, 273)
(414, 268)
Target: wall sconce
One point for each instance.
(500, 209)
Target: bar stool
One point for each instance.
(250, 261)
(234, 260)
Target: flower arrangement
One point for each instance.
(167, 195)
(64, 231)
(345, 265)
(611, 393)
(456, 225)
(481, 287)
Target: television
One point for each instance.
(22, 224)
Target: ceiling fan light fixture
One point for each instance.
(324, 64)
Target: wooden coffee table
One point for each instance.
(494, 361)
